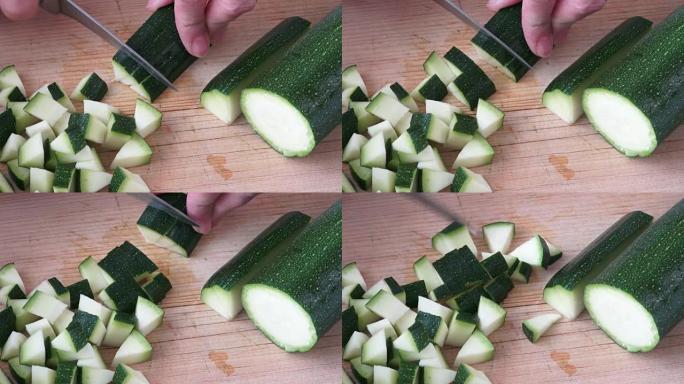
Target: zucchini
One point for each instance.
(352, 276)
(506, 24)
(135, 349)
(127, 261)
(349, 126)
(565, 291)
(376, 152)
(157, 287)
(8, 126)
(374, 350)
(127, 375)
(415, 139)
(76, 290)
(361, 174)
(43, 107)
(495, 264)
(122, 180)
(7, 324)
(471, 84)
(534, 251)
(435, 65)
(165, 231)
(383, 180)
(490, 315)
(41, 180)
(499, 235)
(10, 94)
(461, 130)
(148, 316)
(638, 297)
(441, 110)
(120, 325)
(135, 152)
(20, 373)
(10, 151)
(91, 87)
(467, 181)
(157, 41)
(57, 93)
(407, 178)
(563, 96)
(347, 185)
(222, 291)
(9, 78)
(354, 346)
(121, 295)
(386, 107)
(23, 118)
(221, 96)
(475, 153)
(65, 179)
(431, 88)
(282, 290)
(469, 375)
(477, 349)
(535, 327)
(297, 103)
(461, 326)
(638, 102)
(351, 78)
(350, 323)
(452, 237)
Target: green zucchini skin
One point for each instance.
(651, 76)
(609, 50)
(350, 324)
(95, 88)
(76, 290)
(8, 126)
(258, 251)
(350, 126)
(258, 56)
(309, 270)
(651, 270)
(309, 76)
(127, 261)
(158, 42)
(601, 251)
(506, 24)
(7, 324)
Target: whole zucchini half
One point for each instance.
(639, 297)
(298, 102)
(640, 101)
(298, 297)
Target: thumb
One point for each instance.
(19, 9)
(200, 207)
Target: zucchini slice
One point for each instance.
(506, 24)
(453, 236)
(636, 299)
(490, 316)
(157, 41)
(222, 292)
(147, 118)
(469, 375)
(563, 96)
(475, 153)
(489, 118)
(431, 88)
(9, 78)
(123, 180)
(280, 304)
(478, 349)
(295, 114)
(638, 103)
(91, 87)
(221, 96)
(535, 327)
(383, 180)
(565, 291)
(135, 349)
(127, 375)
(499, 235)
(461, 326)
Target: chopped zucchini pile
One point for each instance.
(49, 146)
(273, 278)
(391, 330)
(391, 145)
(53, 333)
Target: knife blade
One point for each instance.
(71, 9)
(437, 207)
(452, 7)
(157, 202)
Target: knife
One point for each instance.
(157, 202)
(71, 9)
(437, 207)
(451, 6)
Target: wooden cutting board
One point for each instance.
(193, 150)
(48, 236)
(535, 150)
(386, 234)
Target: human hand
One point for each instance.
(19, 9)
(207, 209)
(546, 22)
(200, 22)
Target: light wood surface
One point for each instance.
(535, 150)
(193, 150)
(386, 234)
(48, 236)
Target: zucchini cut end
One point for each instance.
(621, 317)
(279, 317)
(568, 303)
(620, 122)
(278, 122)
(567, 107)
(494, 62)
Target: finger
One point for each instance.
(221, 12)
(200, 207)
(568, 12)
(19, 9)
(153, 5)
(495, 5)
(191, 25)
(228, 202)
(536, 22)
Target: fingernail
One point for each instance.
(544, 46)
(200, 46)
(152, 4)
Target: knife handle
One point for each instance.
(52, 6)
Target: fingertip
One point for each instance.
(543, 46)
(199, 46)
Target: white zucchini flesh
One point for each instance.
(438, 130)
(381, 285)
(441, 110)
(387, 108)
(435, 181)
(425, 271)
(431, 356)
(374, 351)
(489, 118)
(472, 375)
(41, 180)
(32, 153)
(93, 181)
(91, 375)
(136, 349)
(148, 118)
(531, 251)
(493, 62)
(620, 122)
(537, 326)
(117, 332)
(10, 150)
(351, 78)
(148, 316)
(10, 78)
(383, 180)
(279, 317)
(100, 111)
(351, 275)
(385, 305)
(45, 306)
(384, 128)
(435, 164)
(569, 303)
(405, 322)
(453, 237)
(567, 107)
(354, 345)
(404, 124)
(459, 331)
(477, 349)
(475, 183)
(43, 107)
(42, 375)
(12, 345)
(5, 187)
(435, 375)
(88, 305)
(428, 306)
(374, 153)
(41, 325)
(352, 150)
(499, 236)
(436, 65)
(63, 321)
(384, 375)
(475, 153)
(383, 325)
(490, 315)
(133, 153)
(41, 128)
(278, 122)
(32, 352)
(621, 317)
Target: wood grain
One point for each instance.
(191, 141)
(390, 43)
(385, 235)
(49, 236)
